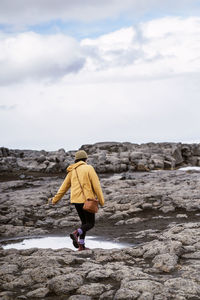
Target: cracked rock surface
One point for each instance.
(157, 211)
(163, 268)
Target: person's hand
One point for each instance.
(49, 201)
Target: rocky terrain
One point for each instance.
(105, 157)
(149, 203)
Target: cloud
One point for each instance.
(159, 48)
(32, 56)
(164, 47)
(139, 83)
(7, 107)
(37, 11)
(111, 50)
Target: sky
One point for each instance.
(81, 72)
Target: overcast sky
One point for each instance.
(79, 72)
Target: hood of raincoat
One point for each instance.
(76, 165)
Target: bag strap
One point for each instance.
(80, 183)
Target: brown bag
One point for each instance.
(90, 205)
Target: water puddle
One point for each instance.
(61, 242)
(190, 169)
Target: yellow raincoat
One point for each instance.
(89, 181)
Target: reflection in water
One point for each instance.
(63, 242)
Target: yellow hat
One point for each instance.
(80, 154)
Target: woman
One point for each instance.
(84, 183)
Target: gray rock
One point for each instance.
(167, 209)
(158, 161)
(106, 157)
(109, 295)
(165, 262)
(65, 283)
(146, 296)
(134, 156)
(4, 152)
(195, 255)
(100, 274)
(52, 167)
(134, 221)
(148, 207)
(38, 293)
(176, 153)
(181, 216)
(143, 286)
(125, 294)
(41, 159)
(8, 269)
(79, 297)
(187, 286)
(92, 289)
(7, 295)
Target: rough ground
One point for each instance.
(158, 210)
(149, 203)
(108, 157)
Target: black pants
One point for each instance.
(87, 219)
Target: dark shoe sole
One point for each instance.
(83, 249)
(74, 240)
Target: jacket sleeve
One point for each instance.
(96, 186)
(63, 189)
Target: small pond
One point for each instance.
(60, 242)
(190, 168)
